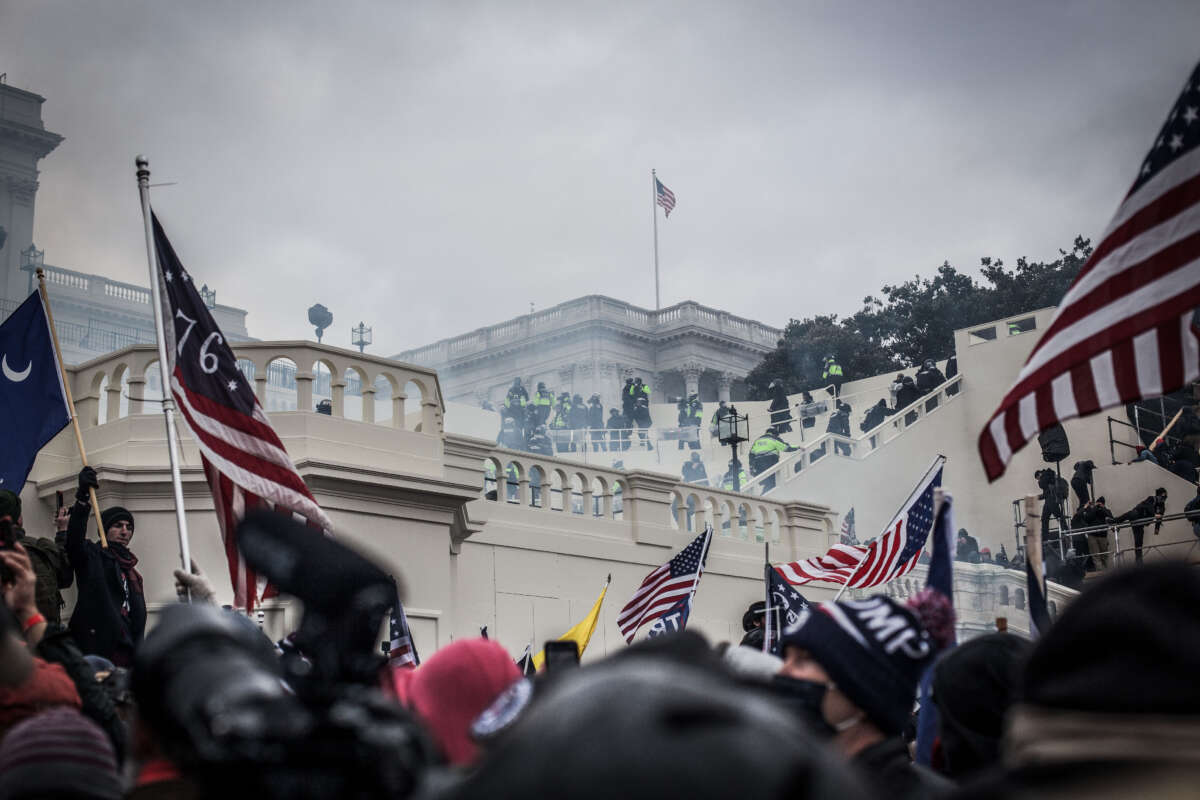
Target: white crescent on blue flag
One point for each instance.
(33, 402)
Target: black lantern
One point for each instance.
(733, 429)
(360, 337)
(320, 317)
(209, 296)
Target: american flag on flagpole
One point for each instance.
(664, 197)
(1123, 331)
(848, 535)
(245, 463)
(889, 556)
(666, 587)
(402, 652)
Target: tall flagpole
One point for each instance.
(66, 383)
(168, 402)
(654, 214)
(767, 609)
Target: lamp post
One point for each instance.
(32, 260)
(732, 429)
(360, 336)
(209, 296)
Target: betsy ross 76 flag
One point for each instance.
(33, 402)
(244, 460)
(1123, 331)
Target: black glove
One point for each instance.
(87, 480)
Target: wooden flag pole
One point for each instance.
(1162, 437)
(62, 373)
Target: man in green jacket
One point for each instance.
(50, 564)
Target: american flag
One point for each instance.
(784, 605)
(663, 588)
(244, 461)
(890, 555)
(848, 536)
(664, 197)
(1123, 331)
(401, 650)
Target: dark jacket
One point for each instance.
(53, 571)
(618, 426)
(839, 423)
(694, 471)
(907, 395)
(874, 417)
(885, 767)
(929, 379)
(595, 415)
(540, 444)
(578, 416)
(98, 624)
(781, 416)
(1144, 510)
(58, 647)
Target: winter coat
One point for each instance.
(839, 423)
(907, 395)
(540, 444)
(781, 416)
(694, 472)
(1145, 510)
(929, 379)
(577, 417)
(885, 766)
(874, 417)
(98, 624)
(595, 416)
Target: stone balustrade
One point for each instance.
(657, 509)
(594, 308)
(131, 366)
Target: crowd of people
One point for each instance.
(1102, 704)
(547, 424)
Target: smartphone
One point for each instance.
(58, 498)
(560, 655)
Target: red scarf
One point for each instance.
(127, 561)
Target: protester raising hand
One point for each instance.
(20, 593)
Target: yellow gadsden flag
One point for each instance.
(581, 632)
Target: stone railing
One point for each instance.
(596, 308)
(263, 363)
(661, 509)
(793, 465)
(96, 285)
(982, 593)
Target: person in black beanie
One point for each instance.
(1109, 704)
(857, 663)
(110, 610)
(974, 685)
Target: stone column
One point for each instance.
(114, 401)
(368, 404)
(398, 409)
(137, 393)
(724, 382)
(260, 389)
(304, 382)
(691, 376)
(337, 389)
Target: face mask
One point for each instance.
(803, 699)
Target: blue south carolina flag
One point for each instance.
(33, 403)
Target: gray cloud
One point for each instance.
(430, 167)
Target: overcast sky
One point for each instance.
(433, 167)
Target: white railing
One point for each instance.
(855, 447)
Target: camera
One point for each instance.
(240, 721)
